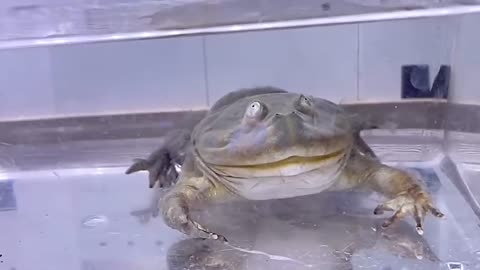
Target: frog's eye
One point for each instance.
(255, 110)
(304, 104)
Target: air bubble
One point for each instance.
(94, 221)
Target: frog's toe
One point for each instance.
(415, 202)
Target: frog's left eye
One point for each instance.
(255, 110)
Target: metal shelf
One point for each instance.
(56, 22)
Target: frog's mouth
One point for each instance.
(290, 166)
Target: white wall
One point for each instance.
(343, 63)
(129, 76)
(320, 61)
(26, 83)
(386, 46)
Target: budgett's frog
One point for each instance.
(267, 143)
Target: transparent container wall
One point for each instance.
(73, 117)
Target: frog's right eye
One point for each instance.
(255, 110)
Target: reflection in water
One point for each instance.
(203, 254)
(303, 233)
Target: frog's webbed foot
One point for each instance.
(176, 214)
(413, 201)
(164, 164)
(188, 194)
(406, 196)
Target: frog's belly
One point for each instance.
(278, 187)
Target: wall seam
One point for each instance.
(358, 62)
(205, 70)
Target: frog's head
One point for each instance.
(277, 134)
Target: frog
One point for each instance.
(268, 143)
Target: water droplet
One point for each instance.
(103, 244)
(131, 243)
(94, 221)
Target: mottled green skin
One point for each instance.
(267, 143)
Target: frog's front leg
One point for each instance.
(405, 194)
(191, 191)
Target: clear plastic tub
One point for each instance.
(71, 206)
(66, 202)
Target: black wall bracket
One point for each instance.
(416, 82)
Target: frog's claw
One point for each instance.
(176, 215)
(414, 202)
(405, 194)
(210, 234)
(191, 193)
(139, 164)
(158, 170)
